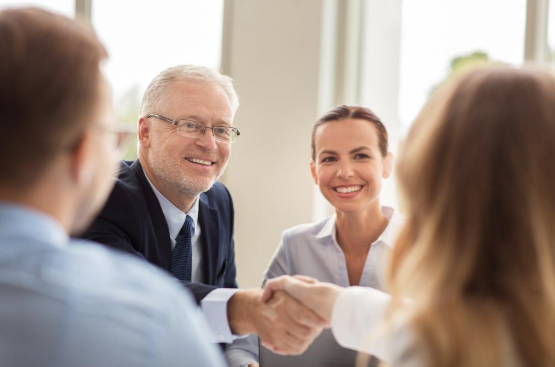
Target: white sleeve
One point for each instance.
(214, 308)
(358, 322)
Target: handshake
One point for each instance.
(289, 314)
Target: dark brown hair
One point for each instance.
(49, 88)
(343, 112)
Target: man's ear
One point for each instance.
(313, 171)
(80, 159)
(387, 165)
(144, 132)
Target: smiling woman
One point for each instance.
(350, 159)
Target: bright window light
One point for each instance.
(436, 32)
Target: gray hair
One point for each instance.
(153, 98)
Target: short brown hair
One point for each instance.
(49, 87)
(343, 112)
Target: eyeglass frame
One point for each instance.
(176, 123)
(120, 131)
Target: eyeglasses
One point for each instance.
(195, 129)
(119, 134)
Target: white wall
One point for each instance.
(271, 50)
(291, 61)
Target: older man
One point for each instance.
(79, 305)
(168, 208)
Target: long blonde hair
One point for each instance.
(478, 251)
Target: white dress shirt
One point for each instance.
(73, 303)
(312, 250)
(358, 323)
(175, 219)
(214, 304)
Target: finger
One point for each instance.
(267, 345)
(302, 315)
(297, 333)
(286, 332)
(283, 344)
(290, 345)
(270, 347)
(274, 285)
(268, 292)
(306, 279)
(270, 287)
(285, 329)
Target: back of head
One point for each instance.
(478, 252)
(49, 87)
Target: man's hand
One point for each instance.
(283, 324)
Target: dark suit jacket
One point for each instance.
(132, 221)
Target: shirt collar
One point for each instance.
(22, 221)
(388, 236)
(174, 216)
(329, 228)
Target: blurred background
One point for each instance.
(292, 60)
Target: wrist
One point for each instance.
(241, 309)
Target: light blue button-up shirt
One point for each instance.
(312, 250)
(84, 305)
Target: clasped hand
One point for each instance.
(297, 309)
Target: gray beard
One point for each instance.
(188, 186)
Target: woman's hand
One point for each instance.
(320, 297)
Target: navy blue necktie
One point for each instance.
(182, 255)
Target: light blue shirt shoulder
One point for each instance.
(84, 305)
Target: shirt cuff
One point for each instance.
(214, 308)
(357, 314)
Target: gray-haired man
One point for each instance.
(168, 208)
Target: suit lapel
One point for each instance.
(161, 230)
(208, 219)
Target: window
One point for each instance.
(65, 7)
(410, 47)
(443, 37)
(144, 38)
(551, 32)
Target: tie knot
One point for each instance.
(188, 227)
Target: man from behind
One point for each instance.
(78, 305)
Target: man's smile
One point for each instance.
(200, 161)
